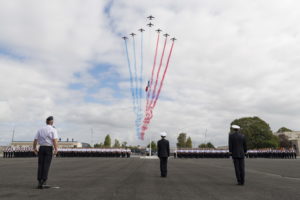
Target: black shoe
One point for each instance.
(46, 186)
(40, 185)
(44, 182)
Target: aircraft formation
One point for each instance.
(154, 83)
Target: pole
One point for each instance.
(92, 135)
(205, 136)
(13, 135)
(150, 151)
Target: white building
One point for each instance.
(294, 137)
(61, 144)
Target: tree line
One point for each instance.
(107, 143)
(258, 134)
(184, 141)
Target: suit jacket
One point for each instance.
(237, 145)
(163, 148)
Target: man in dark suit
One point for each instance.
(163, 151)
(238, 149)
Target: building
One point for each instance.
(61, 144)
(294, 137)
(222, 148)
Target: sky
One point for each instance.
(66, 58)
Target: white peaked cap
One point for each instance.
(235, 127)
(163, 134)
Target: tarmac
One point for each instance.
(135, 178)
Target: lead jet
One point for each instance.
(150, 17)
(150, 24)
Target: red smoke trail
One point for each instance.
(164, 75)
(157, 74)
(153, 68)
(149, 114)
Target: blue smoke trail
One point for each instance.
(135, 70)
(139, 113)
(130, 75)
(142, 60)
(137, 96)
(136, 81)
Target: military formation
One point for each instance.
(18, 152)
(27, 152)
(256, 153)
(95, 152)
(201, 153)
(272, 153)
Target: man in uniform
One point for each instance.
(46, 137)
(5, 153)
(163, 151)
(238, 149)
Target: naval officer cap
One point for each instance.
(236, 127)
(163, 134)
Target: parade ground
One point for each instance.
(136, 178)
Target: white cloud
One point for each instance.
(232, 59)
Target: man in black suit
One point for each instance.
(238, 149)
(163, 149)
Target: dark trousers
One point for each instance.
(239, 166)
(45, 157)
(163, 166)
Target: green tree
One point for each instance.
(100, 145)
(181, 140)
(210, 145)
(284, 129)
(207, 145)
(153, 146)
(124, 144)
(117, 143)
(258, 133)
(202, 146)
(189, 143)
(107, 141)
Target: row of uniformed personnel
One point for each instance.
(272, 153)
(116, 153)
(201, 153)
(25, 152)
(212, 153)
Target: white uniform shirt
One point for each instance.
(46, 135)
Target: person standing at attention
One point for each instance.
(163, 149)
(46, 137)
(238, 149)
